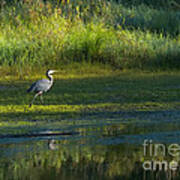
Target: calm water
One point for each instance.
(96, 149)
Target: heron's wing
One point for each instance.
(41, 85)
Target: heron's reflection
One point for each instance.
(52, 144)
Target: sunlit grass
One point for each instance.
(102, 107)
(36, 34)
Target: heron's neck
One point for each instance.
(50, 78)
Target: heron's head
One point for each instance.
(49, 72)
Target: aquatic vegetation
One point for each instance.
(77, 98)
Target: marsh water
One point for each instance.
(108, 148)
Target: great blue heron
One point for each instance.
(41, 86)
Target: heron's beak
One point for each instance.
(53, 71)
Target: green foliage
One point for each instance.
(51, 33)
(153, 3)
(146, 18)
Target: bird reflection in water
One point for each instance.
(52, 144)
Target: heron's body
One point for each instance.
(41, 86)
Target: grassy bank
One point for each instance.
(36, 34)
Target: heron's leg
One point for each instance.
(37, 94)
(41, 98)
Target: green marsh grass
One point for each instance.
(92, 98)
(37, 34)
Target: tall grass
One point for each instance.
(34, 33)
